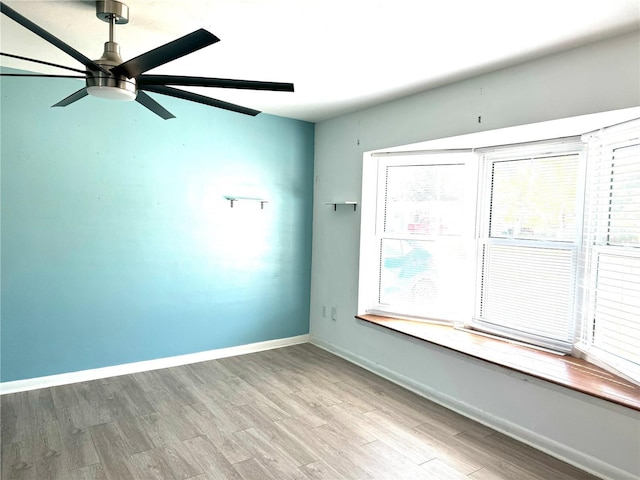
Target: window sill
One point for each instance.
(574, 373)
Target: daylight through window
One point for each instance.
(536, 242)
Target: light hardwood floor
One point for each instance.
(292, 413)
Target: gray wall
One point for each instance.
(604, 76)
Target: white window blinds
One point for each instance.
(528, 244)
(612, 247)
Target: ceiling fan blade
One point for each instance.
(55, 41)
(41, 62)
(213, 82)
(39, 75)
(165, 53)
(72, 98)
(194, 97)
(144, 99)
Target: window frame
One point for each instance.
(600, 147)
(464, 157)
(568, 146)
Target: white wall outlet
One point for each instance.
(324, 311)
(334, 313)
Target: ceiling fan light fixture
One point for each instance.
(110, 87)
(112, 93)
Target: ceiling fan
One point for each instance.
(109, 77)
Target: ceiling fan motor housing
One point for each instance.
(100, 84)
(113, 87)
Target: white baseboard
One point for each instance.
(128, 368)
(560, 451)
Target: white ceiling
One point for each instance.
(342, 55)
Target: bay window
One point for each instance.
(536, 242)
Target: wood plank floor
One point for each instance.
(292, 413)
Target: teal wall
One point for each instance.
(117, 243)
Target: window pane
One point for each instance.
(534, 198)
(611, 255)
(617, 307)
(624, 197)
(424, 199)
(423, 278)
(527, 261)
